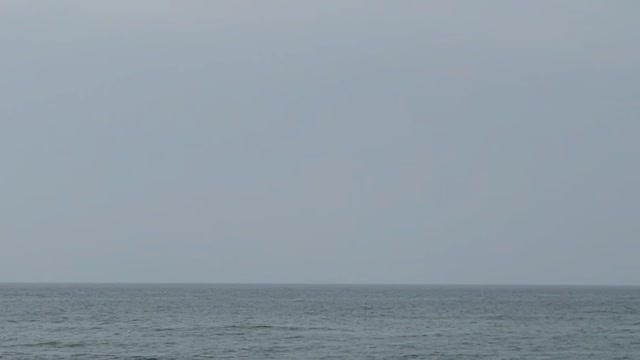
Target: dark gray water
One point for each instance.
(317, 322)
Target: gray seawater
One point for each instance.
(317, 322)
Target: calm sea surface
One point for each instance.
(318, 322)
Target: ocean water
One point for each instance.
(318, 322)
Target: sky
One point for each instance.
(338, 141)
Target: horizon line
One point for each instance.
(308, 283)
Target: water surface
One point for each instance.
(318, 322)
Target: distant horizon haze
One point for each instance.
(339, 141)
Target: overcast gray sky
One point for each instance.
(320, 141)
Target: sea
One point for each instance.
(136, 321)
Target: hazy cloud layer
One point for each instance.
(323, 141)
